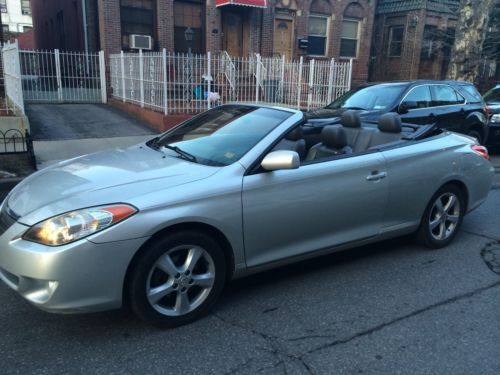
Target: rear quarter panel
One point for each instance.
(416, 171)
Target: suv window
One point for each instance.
(471, 94)
(420, 95)
(492, 95)
(445, 95)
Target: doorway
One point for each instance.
(283, 38)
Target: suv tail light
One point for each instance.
(487, 111)
(481, 150)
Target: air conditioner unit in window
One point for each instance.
(141, 42)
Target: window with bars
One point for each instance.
(395, 45)
(26, 7)
(318, 35)
(349, 38)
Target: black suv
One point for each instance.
(453, 105)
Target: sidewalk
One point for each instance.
(50, 152)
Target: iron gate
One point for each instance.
(62, 77)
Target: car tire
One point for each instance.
(476, 134)
(442, 217)
(177, 279)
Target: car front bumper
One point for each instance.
(79, 277)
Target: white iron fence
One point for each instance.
(57, 77)
(12, 77)
(188, 83)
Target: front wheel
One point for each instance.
(442, 217)
(177, 279)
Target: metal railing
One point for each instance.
(190, 83)
(57, 77)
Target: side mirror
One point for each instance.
(406, 106)
(277, 160)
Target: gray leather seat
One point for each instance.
(333, 142)
(351, 121)
(357, 137)
(293, 141)
(389, 130)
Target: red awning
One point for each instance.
(248, 3)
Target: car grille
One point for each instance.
(6, 220)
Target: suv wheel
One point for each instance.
(476, 134)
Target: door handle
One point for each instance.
(376, 175)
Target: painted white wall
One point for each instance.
(14, 17)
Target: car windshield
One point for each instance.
(220, 136)
(492, 95)
(378, 97)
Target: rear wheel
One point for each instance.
(177, 279)
(442, 217)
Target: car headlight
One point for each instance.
(75, 225)
(495, 118)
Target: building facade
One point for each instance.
(16, 17)
(412, 39)
(319, 29)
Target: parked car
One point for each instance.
(163, 225)
(492, 99)
(453, 105)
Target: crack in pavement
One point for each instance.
(274, 349)
(407, 316)
(282, 355)
(480, 235)
(491, 256)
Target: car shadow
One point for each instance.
(122, 324)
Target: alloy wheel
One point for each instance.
(444, 216)
(180, 280)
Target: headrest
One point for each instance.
(333, 136)
(350, 119)
(390, 123)
(295, 134)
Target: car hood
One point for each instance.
(323, 115)
(102, 178)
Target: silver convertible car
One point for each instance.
(162, 226)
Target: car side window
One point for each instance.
(445, 95)
(419, 96)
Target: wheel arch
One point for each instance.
(463, 189)
(204, 228)
(476, 121)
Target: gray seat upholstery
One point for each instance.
(351, 121)
(357, 137)
(389, 130)
(333, 142)
(293, 141)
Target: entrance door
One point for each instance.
(283, 37)
(233, 33)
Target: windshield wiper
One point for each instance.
(356, 108)
(154, 143)
(184, 154)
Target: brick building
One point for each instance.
(412, 39)
(59, 24)
(333, 28)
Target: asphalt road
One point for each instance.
(76, 121)
(394, 307)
